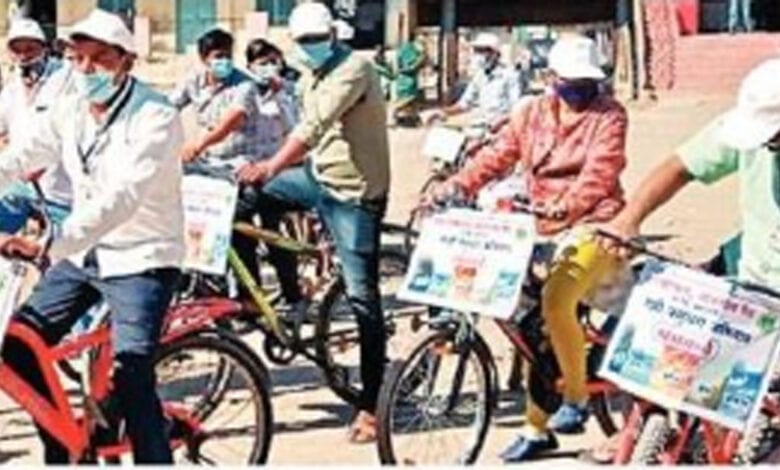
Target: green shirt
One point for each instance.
(410, 60)
(708, 161)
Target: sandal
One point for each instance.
(363, 429)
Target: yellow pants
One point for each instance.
(576, 270)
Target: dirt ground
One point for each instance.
(310, 421)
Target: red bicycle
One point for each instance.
(215, 391)
(436, 407)
(653, 435)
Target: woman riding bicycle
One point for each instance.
(571, 144)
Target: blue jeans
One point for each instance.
(16, 206)
(138, 304)
(740, 15)
(356, 230)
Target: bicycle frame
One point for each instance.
(721, 445)
(57, 416)
(591, 336)
(266, 312)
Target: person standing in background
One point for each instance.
(409, 62)
(740, 16)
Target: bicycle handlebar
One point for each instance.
(518, 204)
(637, 245)
(47, 235)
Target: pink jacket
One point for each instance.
(578, 163)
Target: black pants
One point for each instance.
(284, 261)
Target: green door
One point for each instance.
(193, 18)
(278, 10)
(123, 8)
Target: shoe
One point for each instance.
(525, 448)
(363, 429)
(569, 419)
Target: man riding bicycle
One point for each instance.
(494, 88)
(571, 144)
(743, 141)
(40, 81)
(345, 178)
(123, 242)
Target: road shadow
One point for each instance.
(338, 415)
(6, 457)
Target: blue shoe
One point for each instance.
(569, 419)
(524, 448)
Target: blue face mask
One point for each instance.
(96, 87)
(221, 68)
(578, 95)
(265, 73)
(314, 55)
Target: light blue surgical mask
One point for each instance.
(314, 55)
(221, 67)
(265, 73)
(95, 87)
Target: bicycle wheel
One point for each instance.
(653, 440)
(336, 341)
(436, 407)
(216, 381)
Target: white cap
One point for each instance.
(756, 117)
(105, 27)
(576, 57)
(311, 19)
(25, 28)
(344, 31)
(486, 41)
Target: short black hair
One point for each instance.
(261, 48)
(215, 40)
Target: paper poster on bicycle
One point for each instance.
(209, 207)
(471, 262)
(695, 343)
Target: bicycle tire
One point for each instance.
(652, 441)
(392, 386)
(255, 374)
(337, 376)
(600, 408)
(758, 441)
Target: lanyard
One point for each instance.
(85, 156)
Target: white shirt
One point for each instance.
(493, 93)
(18, 108)
(127, 197)
(278, 115)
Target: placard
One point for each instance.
(209, 208)
(443, 144)
(471, 261)
(696, 343)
